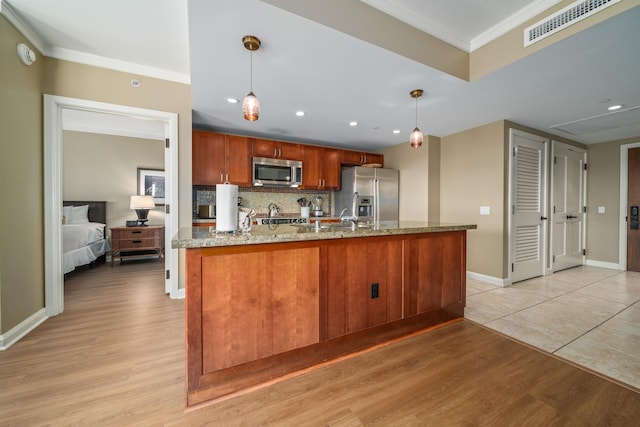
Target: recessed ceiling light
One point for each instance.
(615, 107)
(299, 113)
(353, 123)
(396, 131)
(232, 100)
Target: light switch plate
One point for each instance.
(600, 209)
(485, 210)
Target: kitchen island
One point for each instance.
(281, 299)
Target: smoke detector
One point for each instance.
(25, 54)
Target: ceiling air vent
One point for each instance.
(563, 18)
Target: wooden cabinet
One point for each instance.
(276, 149)
(137, 242)
(436, 272)
(364, 285)
(262, 311)
(258, 304)
(219, 158)
(359, 158)
(320, 168)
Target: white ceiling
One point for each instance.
(336, 78)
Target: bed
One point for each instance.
(83, 233)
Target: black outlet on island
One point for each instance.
(374, 290)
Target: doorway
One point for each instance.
(54, 107)
(633, 207)
(624, 204)
(568, 211)
(528, 205)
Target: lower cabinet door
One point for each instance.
(258, 304)
(436, 273)
(364, 285)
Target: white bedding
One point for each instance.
(82, 244)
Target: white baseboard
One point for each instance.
(489, 279)
(23, 328)
(602, 264)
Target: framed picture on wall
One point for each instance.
(151, 183)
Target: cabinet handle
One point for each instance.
(221, 180)
(136, 232)
(275, 152)
(279, 152)
(136, 241)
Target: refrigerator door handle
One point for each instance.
(376, 201)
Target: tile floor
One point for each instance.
(588, 315)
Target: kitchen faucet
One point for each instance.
(354, 208)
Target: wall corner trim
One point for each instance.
(23, 328)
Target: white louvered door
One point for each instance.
(528, 170)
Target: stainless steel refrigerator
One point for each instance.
(377, 199)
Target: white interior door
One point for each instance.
(568, 216)
(527, 237)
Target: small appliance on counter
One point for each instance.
(206, 211)
(317, 206)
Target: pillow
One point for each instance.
(66, 214)
(78, 215)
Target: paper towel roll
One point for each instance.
(226, 207)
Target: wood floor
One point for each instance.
(116, 357)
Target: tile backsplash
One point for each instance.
(259, 199)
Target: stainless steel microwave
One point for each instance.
(277, 172)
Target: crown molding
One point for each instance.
(85, 58)
(12, 16)
(501, 28)
(511, 22)
(117, 65)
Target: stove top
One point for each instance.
(288, 220)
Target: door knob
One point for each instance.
(543, 218)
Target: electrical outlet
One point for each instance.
(374, 290)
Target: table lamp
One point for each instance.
(142, 204)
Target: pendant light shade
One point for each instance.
(251, 105)
(416, 137)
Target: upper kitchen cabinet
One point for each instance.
(218, 158)
(320, 168)
(359, 158)
(276, 149)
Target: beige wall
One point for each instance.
(419, 193)
(603, 189)
(472, 174)
(104, 167)
(21, 182)
(413, 166)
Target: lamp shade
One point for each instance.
(142, 202)
(251, 107)
(416, 138)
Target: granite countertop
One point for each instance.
(201, 237)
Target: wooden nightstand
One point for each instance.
(137, 242)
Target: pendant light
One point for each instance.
(416, 136)
(251, 105)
